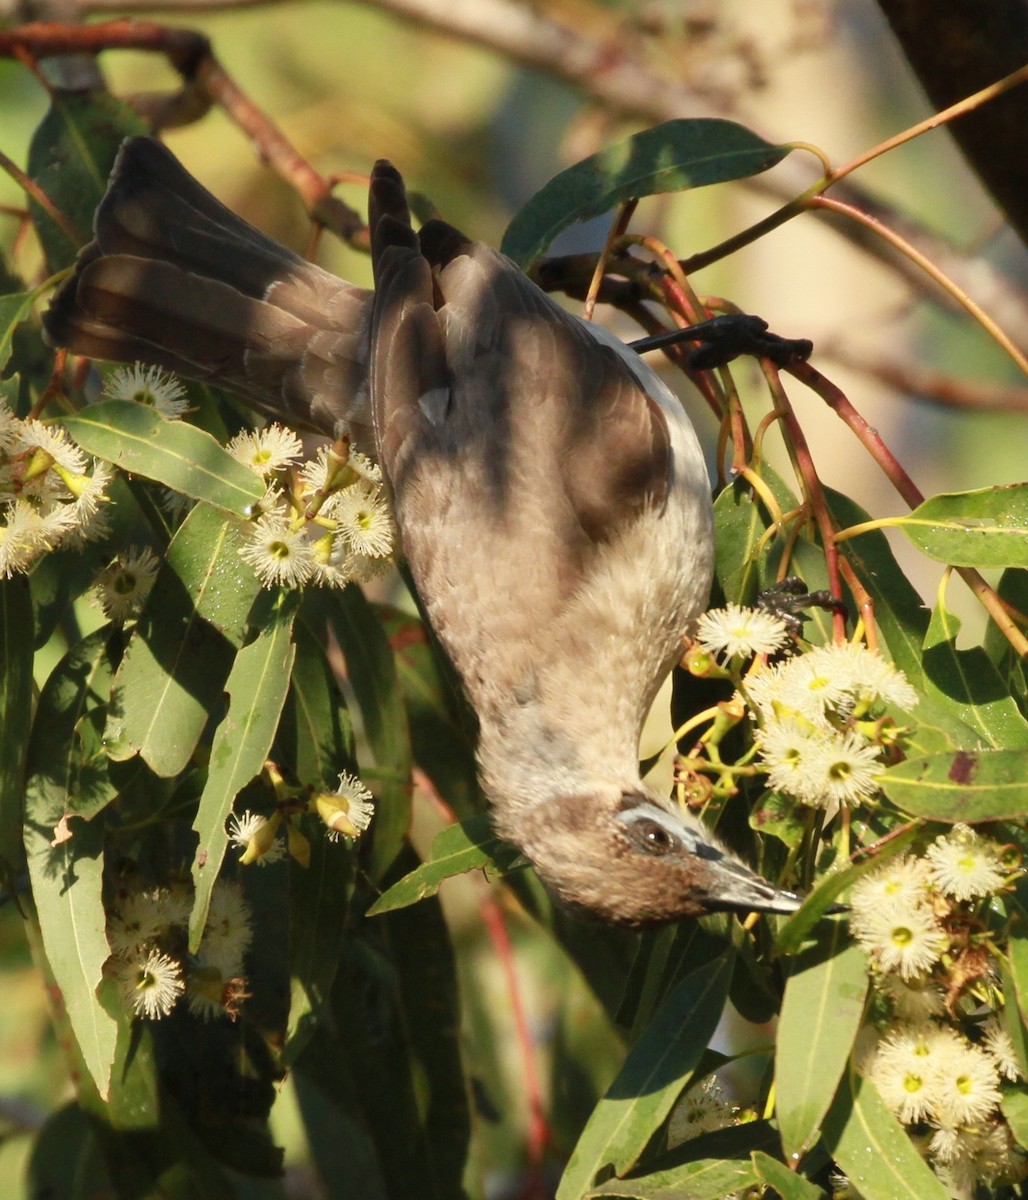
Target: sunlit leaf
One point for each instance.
(707, 1168)
(67, 878)
(967, 684)
(673, 156)
(657, 1070)
(874, 1150)
(14, 308)
(256, 689)
(459, 848)
(984, 528)
(966, 785)
(821, 1013)
(181, 652)
(138, 439)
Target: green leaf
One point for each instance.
(316, 729)
(256, 688)
(706, 1168)
(70, 156)
(984, 528)
(656, 1071)
(14, 308)
(371, 672)
(455, 850)
(15, 714)
(740, 521)
(965, 785)
(871, 1146)
(138, 439)
(395, 1001)
(1018, 949)
(67, 878)
(181, 652)
(966, 684)
(821, 1013)
(787, 1184)
(1014, 1105)
(671, 157)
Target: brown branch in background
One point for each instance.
(190, 54)
(925, 383)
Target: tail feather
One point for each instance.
(174, 279)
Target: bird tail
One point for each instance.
(174, 279)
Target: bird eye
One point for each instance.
(654, 837)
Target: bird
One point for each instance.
(549, 492)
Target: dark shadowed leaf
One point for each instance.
(15, 713)
(671, 157)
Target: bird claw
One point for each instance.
(787, 599)
(727, 337)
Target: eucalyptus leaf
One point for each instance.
(66, 862)
(708, 1167)
(657, 1070)
(874, 1150)
(256, 689)
(138, 439)
(786, 1183)
(181, 652)
(671, 157)
(821, 1014)
(455, 850)
(14, 308)
(15, 713)
(962, 785)
(983, 528)
(70, 156)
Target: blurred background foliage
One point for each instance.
(478, 135)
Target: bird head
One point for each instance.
(628, 859)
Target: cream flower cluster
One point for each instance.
(146, 932)
(50, 493)
(347, 811)
(941, 1063)
(326, 524)
(817, 739)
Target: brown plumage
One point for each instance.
(549, 492)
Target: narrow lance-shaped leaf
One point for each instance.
(786, 1183)
(673, 156)
(14, 308)
(371, 671)
(256, 691)
(871, 1146)
(656, 1071)
(708, 1167)
(138, 439)
(67, 878)
(181, 651)
(821, 1013)
(15, 711)
(455, 850)
(984, 528)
